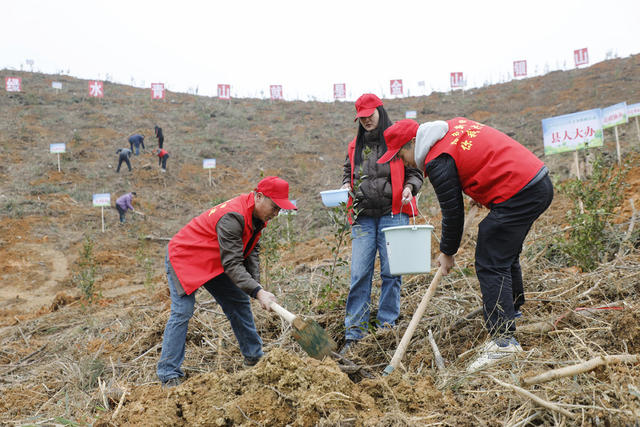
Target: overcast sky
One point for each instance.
(307, 46)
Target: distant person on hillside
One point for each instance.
(160, 136)
(163, 155)
(384, 197)
(136, 140)
(461, 155)
(219, 250)
(124, 154)
(123, 204)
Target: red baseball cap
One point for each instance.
(396, 136)
(277, 189)
(366, 105)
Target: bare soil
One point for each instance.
(67, 359)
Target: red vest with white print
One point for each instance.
(397, 184)
(492, 166)
(194, 251)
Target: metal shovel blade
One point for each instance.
(312, 338)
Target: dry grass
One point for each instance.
(71, 363)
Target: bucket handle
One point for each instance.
(413, 215)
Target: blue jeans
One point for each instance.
(368, 239)
(163, 161)
(236, 306)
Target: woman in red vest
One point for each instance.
(384, 197)
(218, 250)
(461, 155)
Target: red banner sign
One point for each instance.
(581, 56)
(224, 91)
(396, 87)
(13, 84)
(157, 90)
(457, 80)
(276, 91)
(96, 89)
(519, 68)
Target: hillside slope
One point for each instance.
(58, 348)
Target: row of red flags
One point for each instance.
(96, 87)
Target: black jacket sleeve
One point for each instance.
(346, 171)
(443, 175)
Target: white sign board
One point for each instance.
(56, 85)
(102, 199)
(208, 163)
(339, 90)
(614, 115)
(572, 132)
(289, 212)
(58, 147)
(410, 114)
(633, 110)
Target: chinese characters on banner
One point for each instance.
(520, 68)
(572, 132)
(208, 163)
(224, 91)
(13, 84)
(102, 200)
(614, 115)
(633, 110)
(276, 91)
(456, 80)
(339, 90)
(157, 90)
(396, 87)
(581, 56)
(96, 89)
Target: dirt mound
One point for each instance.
(282, 389)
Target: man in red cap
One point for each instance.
(382, 195)
(218, 250)
(461, 155)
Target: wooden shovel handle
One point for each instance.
(417, 316)
(286, 315)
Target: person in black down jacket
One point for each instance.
(381, 196)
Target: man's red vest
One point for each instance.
(162, 152)
(492, 166)
(397, 184)
(194, 252)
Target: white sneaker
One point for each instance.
(496, 350)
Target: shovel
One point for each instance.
(417, 316)
(308, 333)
